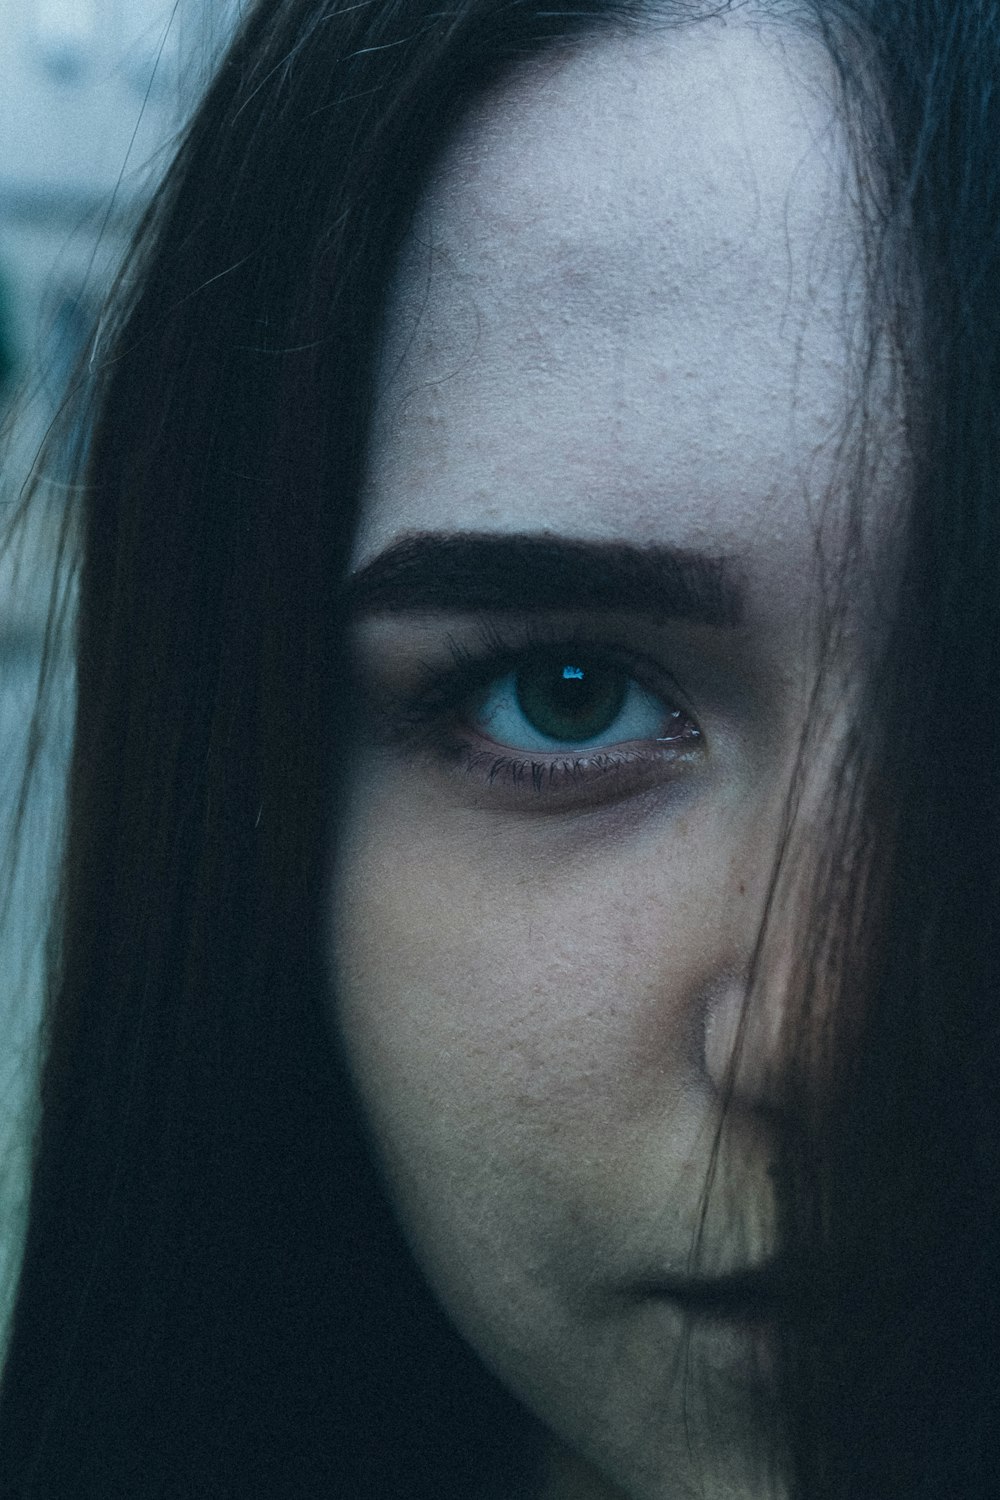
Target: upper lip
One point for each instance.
(764, 1287)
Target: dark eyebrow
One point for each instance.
(467, 572)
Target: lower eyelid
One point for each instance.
(597, 776)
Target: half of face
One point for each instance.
(620, 360)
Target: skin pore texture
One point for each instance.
(630, 311)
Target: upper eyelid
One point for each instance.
(413, 688)
(470, 668)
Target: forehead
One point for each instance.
(630, 302)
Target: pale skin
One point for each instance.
(627, 313)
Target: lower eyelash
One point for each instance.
(540, 777)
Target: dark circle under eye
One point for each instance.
(571, 699)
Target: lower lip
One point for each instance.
(742, 1337)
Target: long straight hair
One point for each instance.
(215, 1299)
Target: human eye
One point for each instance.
(568, 721)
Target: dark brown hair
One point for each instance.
(215, 1299)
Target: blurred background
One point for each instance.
(92, 93)
(92, 96)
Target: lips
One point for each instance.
(756, 1291)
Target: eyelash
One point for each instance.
(428, 717)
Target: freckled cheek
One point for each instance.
(529, 1016)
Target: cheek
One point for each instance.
(523, 1009)
(525, 1031)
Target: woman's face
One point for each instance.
(620, 359)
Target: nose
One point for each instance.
(744, 1039)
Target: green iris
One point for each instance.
(570, 700)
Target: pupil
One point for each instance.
(569, 699)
